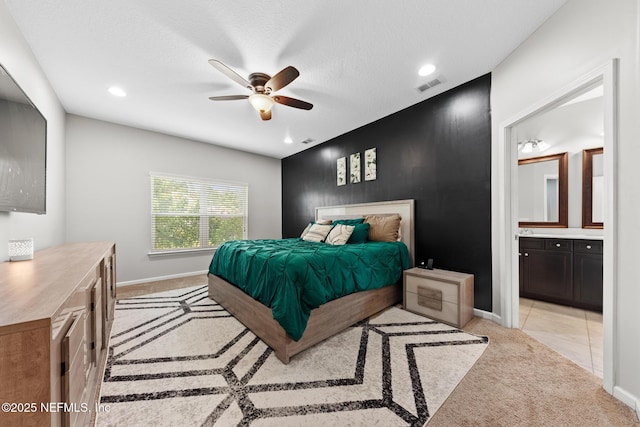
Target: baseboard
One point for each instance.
(487, 315)
(627, 398)
(160, 278)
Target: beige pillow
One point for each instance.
(339, 234)
(320, 221)
(383, 228)
(317, 232)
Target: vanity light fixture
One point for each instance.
(116, 91)
(531, 145)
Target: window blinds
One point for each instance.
(194, 213)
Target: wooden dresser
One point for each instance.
(55, 316)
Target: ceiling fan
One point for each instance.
(263, 86)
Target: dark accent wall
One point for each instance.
(437, 152)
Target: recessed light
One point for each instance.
(288, 140)
(427, 69)
(116, 91)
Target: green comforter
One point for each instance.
(292, 276)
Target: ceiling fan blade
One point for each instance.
(282, 79)
(228, 97)
(265, 115)
(292, 102)
(230, 73)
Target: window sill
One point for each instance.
(179, 252)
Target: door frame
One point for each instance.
(507, 253)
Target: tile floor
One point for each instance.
(572, 332)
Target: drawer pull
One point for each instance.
(430, 298)
(526, 254)
(588, 246)
(557, 245)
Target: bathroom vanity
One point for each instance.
(562, 270)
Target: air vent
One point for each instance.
(429, 85)
(308, 141)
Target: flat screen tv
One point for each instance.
(23, 150)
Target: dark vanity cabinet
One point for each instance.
(562, 271)
(587, 274)
(547, 270)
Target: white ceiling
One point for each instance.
(358, 60)
(571, 127)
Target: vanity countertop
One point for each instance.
(562, 236)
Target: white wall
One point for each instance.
(582, 36)
(16, 56)
(108, 190)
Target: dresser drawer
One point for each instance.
(448, 312)
(588, 246)
(449, 291)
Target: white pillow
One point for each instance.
(320, 221)
(306, 230)
(339, 234)
(317, 232)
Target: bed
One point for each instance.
(330, 317)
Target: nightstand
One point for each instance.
(446, 296)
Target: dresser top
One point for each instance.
(438, 274)
(34, 290)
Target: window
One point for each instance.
(196, 213)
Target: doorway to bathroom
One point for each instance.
(510, 133)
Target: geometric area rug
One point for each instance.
(177, 358)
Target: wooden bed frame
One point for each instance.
(332, 317)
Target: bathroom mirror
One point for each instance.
(592, 188)
(543, 191)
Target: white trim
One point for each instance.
(177, 252)
(159, 278)
(506, 255)
(487, 315)
(610, 254)
(627, 398)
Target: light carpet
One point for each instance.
(178, 358)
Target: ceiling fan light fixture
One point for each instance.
(261, 102)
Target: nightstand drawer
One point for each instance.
(448, 312)
(449, 291)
